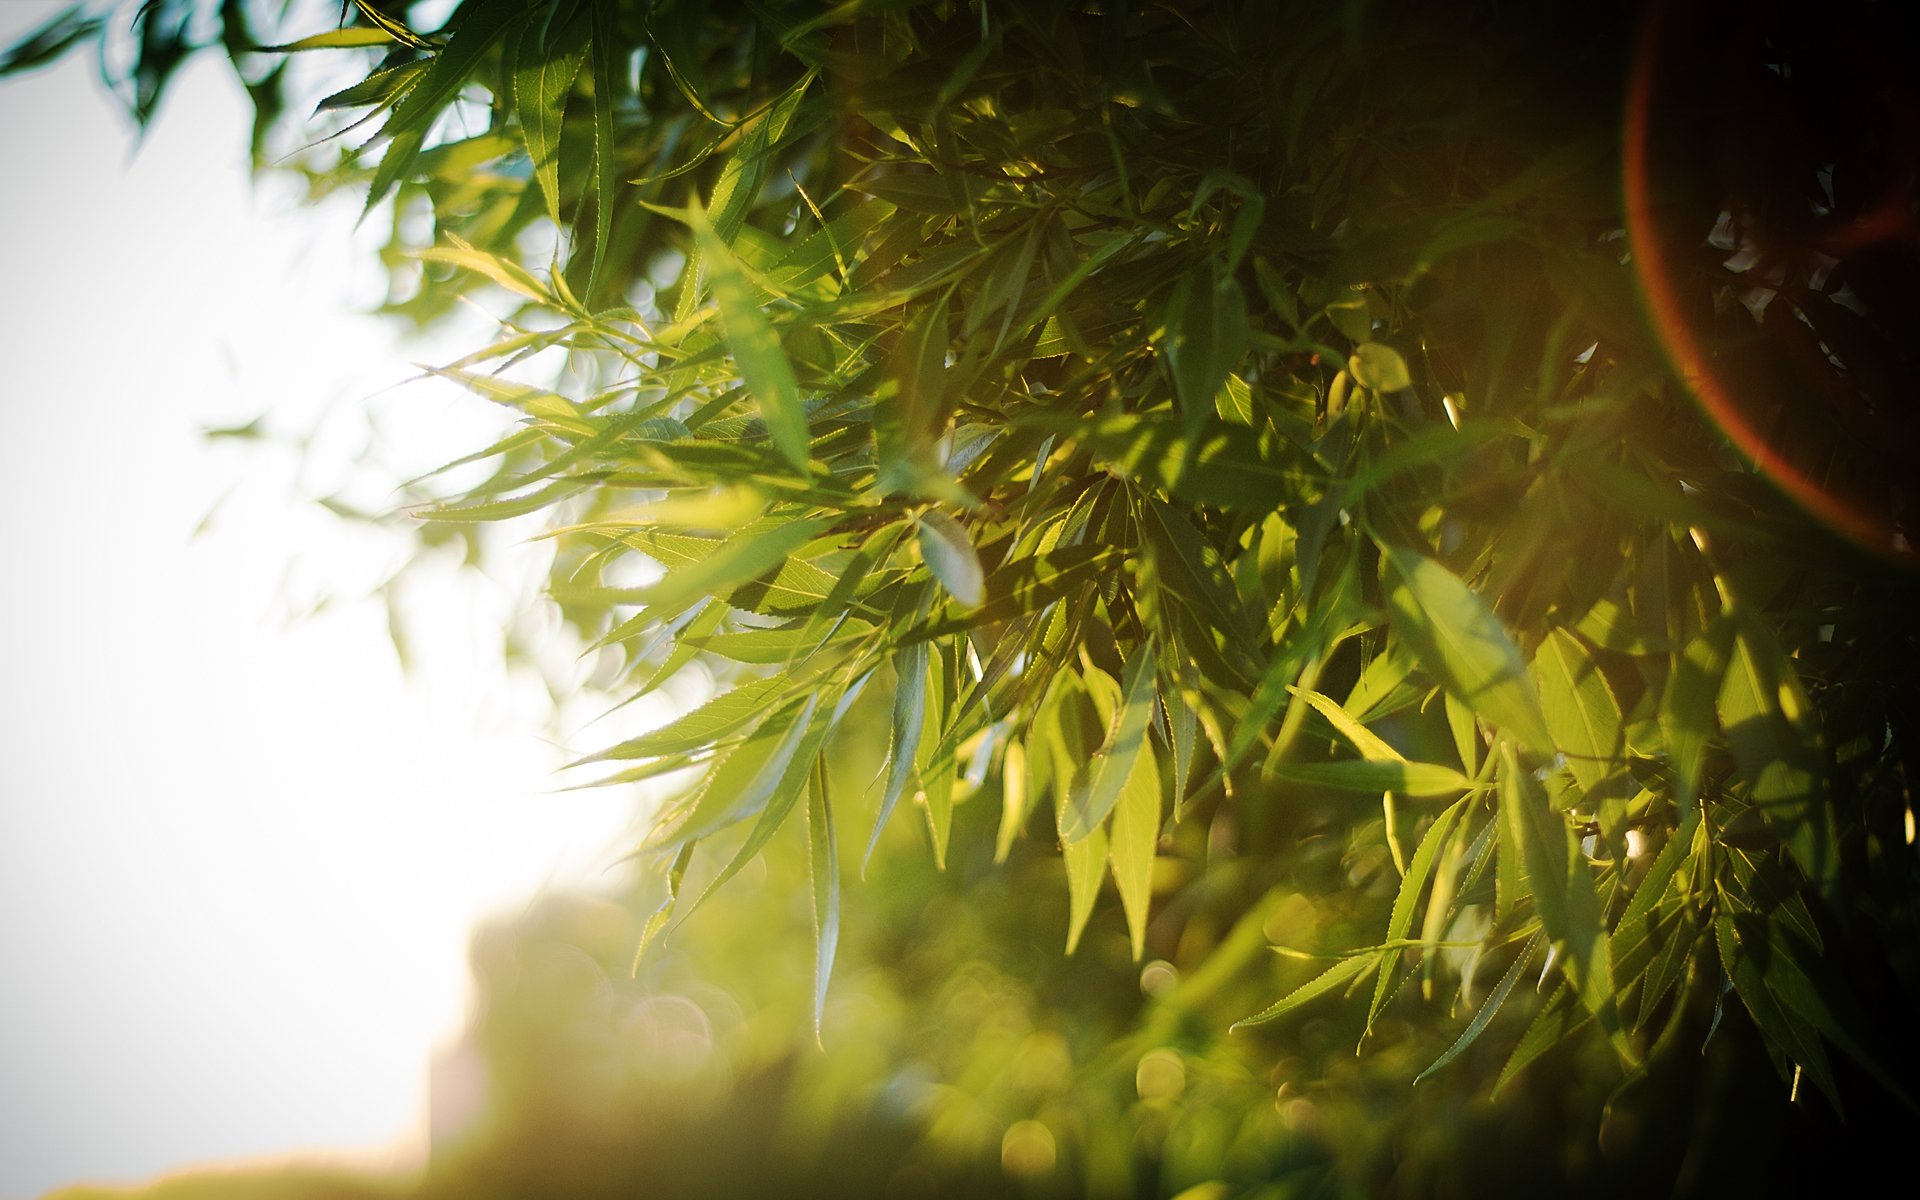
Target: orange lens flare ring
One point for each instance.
(1654, 266)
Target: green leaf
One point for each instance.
(657, 919)
(1098, 784)
(478, 25)
(742, 780)
(949, 554)
(1413, 779)
(1747, 967)
(1364, 740)
(1206, 335)
(1478, 1025)
(1412, 885)
(1462, 644)
(1135, 835)
(1340, 974)
(909, 717)
(546, 62)
(1466, 736)
(743, 557)
(1086, 862)
(824, 864)
(1766, 718)
(334, 39)
(1563, 895)
(605, 21)
(1560, 1018)
(1379, 367)
(724, 714)
(1687, 717)
(755, 347)
(1014, 800)
(1582, 715)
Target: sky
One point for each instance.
(241, 851)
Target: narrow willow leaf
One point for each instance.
(477, 27)
(334, 39)
(1206, 320)
(1687, 717)
(1466, 735)
(508, 274)
(1766, 718)
(724, 714)
(1086, 862)
(1134, 836)
(1098, 784)
(657, 919)
(1340, 974)
(605, 21)
(1412, 885)
(1463, 644)
(546, 62)
(1801, 982)
(1379, 367)
(786, 794)
(1786, 1029)
(742, 781)
(824, 861)
(910, 670)
(1364, 740)
(381, 88)
(1560, 1018)
(1563, 894)
(1582, 714)
(949, 554)
(1014, 799)
(774, 647)
(746, 556)
(1412, 779)
(755, 347)
(393, 27)
(1478, 1025)
(934, 756)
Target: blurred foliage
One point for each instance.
(1219, 449)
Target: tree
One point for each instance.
(1219, 449)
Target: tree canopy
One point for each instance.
(1424, 489)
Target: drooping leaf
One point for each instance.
(910, 668)
(1086, 862)
(742, 781)
(1463, 644)
(1488, 1011)
(1563, 895)
(1346, 972)
(1765, 716)
(546, 62)
(1131, 844)
(755, 347)
(824, 863)
(1098, 784)
(714, 720)
(1582, 714)
(1412, 886)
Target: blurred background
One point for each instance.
(238, 845)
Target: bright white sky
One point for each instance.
(239, 853)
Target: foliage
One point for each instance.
(1221, 441)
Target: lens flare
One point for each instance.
(1774, 218)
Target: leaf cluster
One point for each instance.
(1161, 417)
